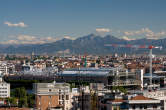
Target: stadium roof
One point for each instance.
(86, 72)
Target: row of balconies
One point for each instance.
(126, 83)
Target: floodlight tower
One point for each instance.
(150, 66)
(150, 58)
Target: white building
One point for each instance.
(4, 89)
(159, 94)
(4, 69)
(140, 102)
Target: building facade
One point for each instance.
(4, 89)
(52, 95)
(4, 69)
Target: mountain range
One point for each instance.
(90, 44)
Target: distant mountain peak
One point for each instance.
(92, 35)
(91, 44)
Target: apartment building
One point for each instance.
(127, 102)
(4, 69)
(141, 102)
(4, 89)
(52, 95)
(159, 94)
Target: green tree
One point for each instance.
(120, 88)
(23, 102)
(13, 101)
(21, 94)
(31, 100)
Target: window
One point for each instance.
(154, 106)
(60, 102)
(133, 107)
(62, 97)
(141, 107)
(67, 97)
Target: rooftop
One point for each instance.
(118, 100)
(141, 97)
(86, 72)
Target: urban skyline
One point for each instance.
(82, 55)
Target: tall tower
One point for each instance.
(32, 56)
(150, 66)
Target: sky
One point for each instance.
(42, 21)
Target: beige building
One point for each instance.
(138, 102)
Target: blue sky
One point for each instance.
(40, 21)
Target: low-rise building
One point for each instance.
(141, 102)
(129, 102)
(157, 94)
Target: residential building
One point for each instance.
(129, 102)
(52, 95)
(4, 89)
(4, 68)
(157, 94)
(141, 102)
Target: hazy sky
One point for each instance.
(40, 21)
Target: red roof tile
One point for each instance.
(118, 100)
(140, 97)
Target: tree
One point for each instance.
(120, 88)
(23, 102)
(13, 101)
(21, 94)
(31, 100)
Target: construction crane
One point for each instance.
(150, 47)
